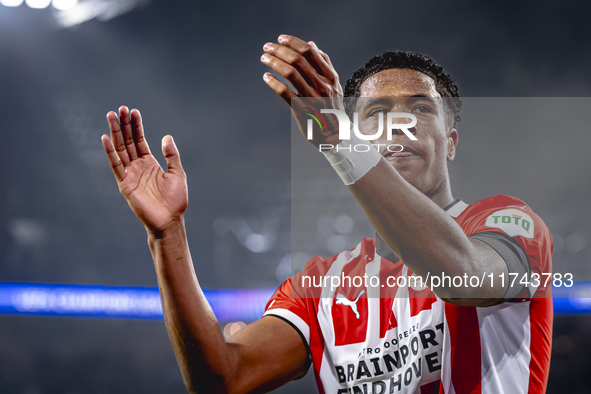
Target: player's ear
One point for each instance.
(452, 142)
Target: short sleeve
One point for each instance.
(291, 309)
(296, 301)
(522, 235)
(296, 298)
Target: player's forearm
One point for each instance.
(426, 238)
(204, 357)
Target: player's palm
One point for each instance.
(155, 196)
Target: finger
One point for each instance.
(279, 87)
(114, 159)
(171, 154)
(310, 53)
(117, 137)
(138, 133)
(127, 132)
(290, 73)
(293, 58)
(324, 55)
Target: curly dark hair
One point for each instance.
(444, 84)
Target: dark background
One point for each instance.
(193, 70)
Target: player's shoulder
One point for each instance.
(509, 214)
(361, 253)
(499, 201)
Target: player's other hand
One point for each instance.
(158, 198)
(312, 75)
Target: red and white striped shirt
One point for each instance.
(400, 337)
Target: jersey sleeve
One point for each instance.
(521, 237)
(291, 309)
(296, 299)
(296, 302)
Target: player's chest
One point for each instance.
(380, 344)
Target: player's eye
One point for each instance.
(422, 109)
(375, 112)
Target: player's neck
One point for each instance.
(443, 198)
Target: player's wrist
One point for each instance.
(352, 159)
(175, 227)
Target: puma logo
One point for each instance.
(342, 300)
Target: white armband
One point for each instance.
(353, 158)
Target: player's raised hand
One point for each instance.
(156, 197)
(311, 74)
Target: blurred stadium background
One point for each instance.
(191, 66)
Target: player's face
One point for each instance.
(423, 163)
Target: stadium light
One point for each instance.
(11, 3)
(38, 3)
(64, 5)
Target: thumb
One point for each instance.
(171, 154)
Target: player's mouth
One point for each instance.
(408, 153)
